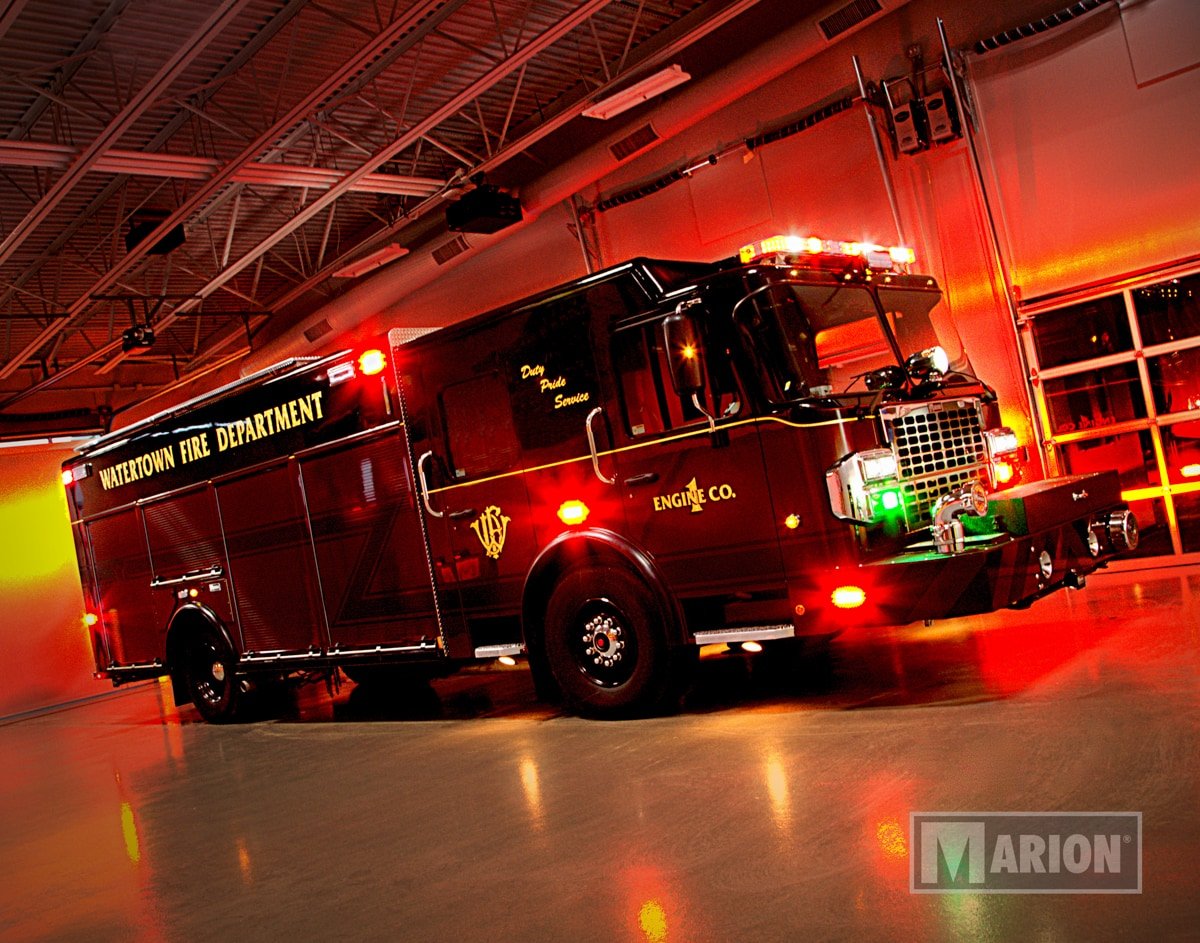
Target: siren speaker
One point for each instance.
(942, 115)
(908, 124)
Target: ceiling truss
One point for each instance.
(285, 137)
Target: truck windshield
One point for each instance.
(816, 339)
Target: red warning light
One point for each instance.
(1004, 471)
(67, 477)
(372, 362)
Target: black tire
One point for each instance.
(210, 673)
(607, 645)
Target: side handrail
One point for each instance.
(425, 485)
(591, 437)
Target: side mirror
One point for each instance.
(684, 353)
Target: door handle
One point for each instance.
(648, 478)
(591, 437)
(461, 515)
(425, 485)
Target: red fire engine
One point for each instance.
(601, 478)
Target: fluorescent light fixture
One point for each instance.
(44, 440)
(375, 260)
(637, 93)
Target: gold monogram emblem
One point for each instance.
(491, 529)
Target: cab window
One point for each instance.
(479, 427)
(649, 403)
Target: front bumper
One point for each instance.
(1033, 541)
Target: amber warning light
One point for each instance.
(848, 597)
(573, 512)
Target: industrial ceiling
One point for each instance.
(198, 173)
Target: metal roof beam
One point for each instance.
(182, 167)
(399, 36)
(137, 106)
(501, 71)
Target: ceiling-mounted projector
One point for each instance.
(484, 209)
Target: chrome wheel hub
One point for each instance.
(603, 637)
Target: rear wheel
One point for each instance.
(209, 670)
(606, 644)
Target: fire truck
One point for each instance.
(600, 479)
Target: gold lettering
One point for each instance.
(532, 370)
(575, 398)
(293, 413)
(555, 384)
(222, 438)
(259, 426)
(306, 413)
(106, 478)
(281, 418)
(316, 398)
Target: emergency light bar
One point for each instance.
(877, 257)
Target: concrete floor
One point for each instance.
(768, 810)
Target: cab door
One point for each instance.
(474, 500)
(696, 499)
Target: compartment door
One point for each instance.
(271, 561)
(369, 545)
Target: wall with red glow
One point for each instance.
(1092, 138)
(43, 642)
(824, 181)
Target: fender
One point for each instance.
(593, 545)
(187, 614)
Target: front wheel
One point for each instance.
(606, 643)
(209, 670)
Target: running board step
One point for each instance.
(496, 651)
(753, 633)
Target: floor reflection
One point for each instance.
(775, 806)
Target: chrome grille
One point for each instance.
(938, 447)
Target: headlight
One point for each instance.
(1003, 452)
(863, 487)
(877, 465)
(1000, 441)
